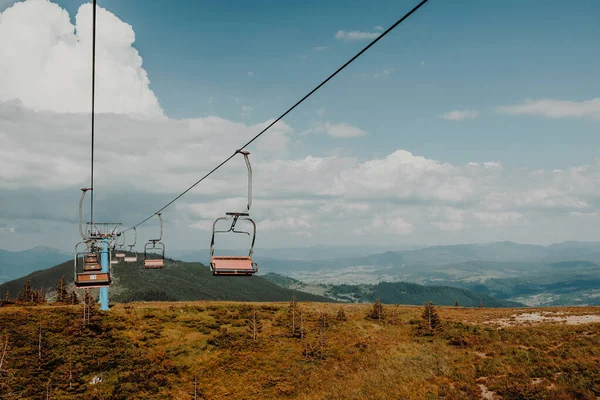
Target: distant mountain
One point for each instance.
(15, 264)
(560, 274)
(312, 253)
(414, 294)
(535, 284)
(397, 293)
(178, 281)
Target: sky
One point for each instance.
(473, 121)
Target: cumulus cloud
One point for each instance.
(299, 198)
(355, 35)
(46, 61)
(459, 115)
(448, 218)
(555, 108)
(341, 130)
(320, 48)
(492, 219)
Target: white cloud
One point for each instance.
(448, 218)
(320, 48)
(386, 224)
(142, 163)
(492, 219)
(247, 110)
(492, 164)
(355, 35)
(378, 28)
(459, 115)
(46, 61)
(211, 100)
(320, 112)
(555, 108)
(250, 74)
(384, 73)
(341, 130)
(396, 225)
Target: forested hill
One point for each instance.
(395, 293)
(178, 281)
(412, 293)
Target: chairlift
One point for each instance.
(132, 257)
(88, 271)
(113, 260)
(120, 250)
(87, 268)
(153, 259)
(236, 265)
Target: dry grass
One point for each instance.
(357, 358)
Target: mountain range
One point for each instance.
(178, 281)
(565, 273)
(15, 264)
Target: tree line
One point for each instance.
(29, 295)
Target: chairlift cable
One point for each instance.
(93, 107)
(340, 69)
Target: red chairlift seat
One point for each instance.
(92, 280)
(233, 265)
(130, 259)
(154, 263)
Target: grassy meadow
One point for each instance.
(227, 350)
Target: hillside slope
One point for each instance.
(209, 350)
(178, 281)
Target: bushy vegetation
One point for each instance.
(221, 350)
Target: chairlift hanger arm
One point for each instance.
(161, 228)
(249, 167)
(131, 246)
(83, 191)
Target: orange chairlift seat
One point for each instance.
(132, 257)
(87, 270)
(236, 265)
(152, 259)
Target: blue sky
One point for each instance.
(476, 55)
(509, 82)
